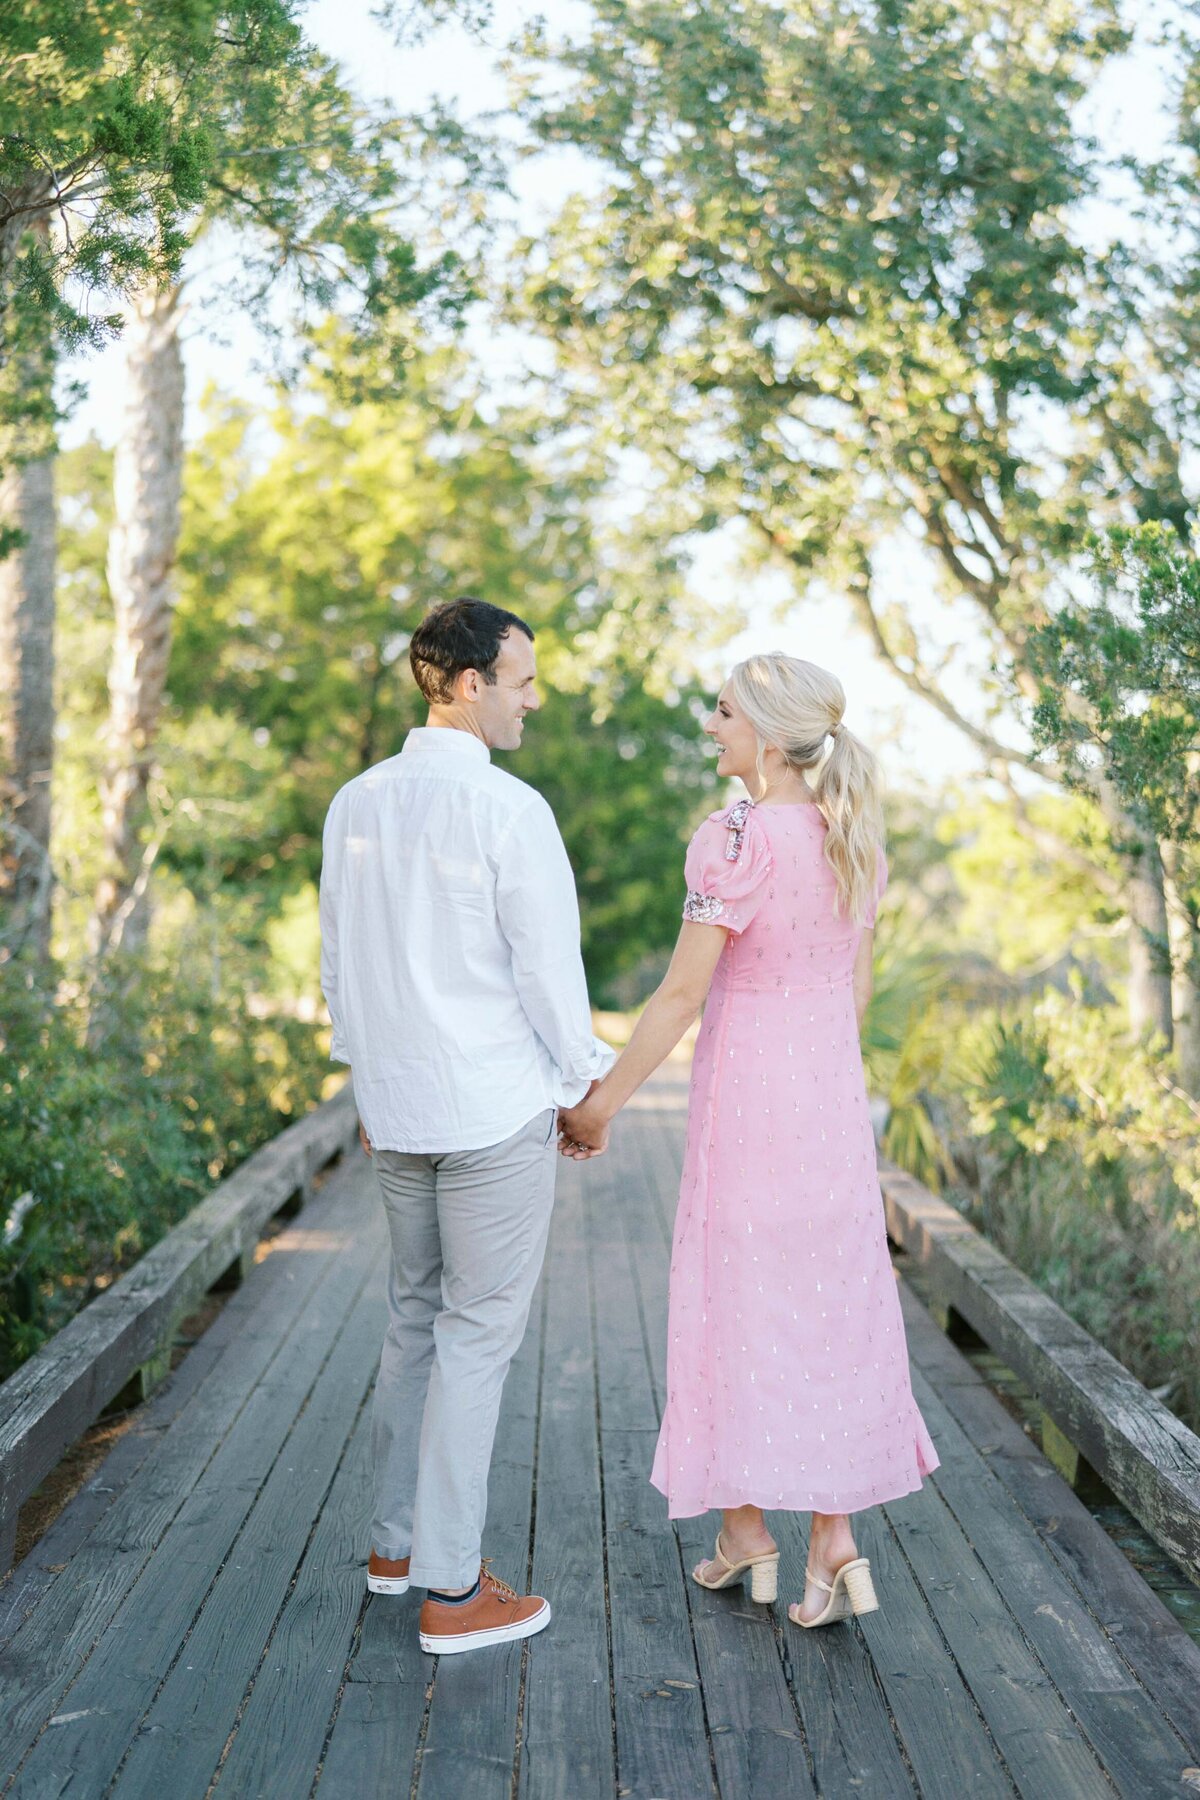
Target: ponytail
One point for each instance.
(848, 792)
(794, 707)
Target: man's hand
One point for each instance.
(583, 1130)
(364, 1140)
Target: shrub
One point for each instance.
(1085, 1163)
(103, 1148)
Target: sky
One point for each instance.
(918, 749)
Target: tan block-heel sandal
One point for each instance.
(764, 1573)
(851, 1591)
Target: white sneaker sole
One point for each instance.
(443, 1644)
(387, 1584)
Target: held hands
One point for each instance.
(583, 1130)
(364, 1140)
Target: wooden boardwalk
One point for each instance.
(195, 1620)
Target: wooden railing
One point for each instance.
(122, 1340)
(1092, 1407)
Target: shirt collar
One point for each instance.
(441, 740)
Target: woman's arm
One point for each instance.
(864, 970)
(667, 1015)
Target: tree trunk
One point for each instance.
(1150, 1002)
(147, 480)
(27, 556)
(27, 706)
(1184, 926)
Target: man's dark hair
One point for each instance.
(461, 634)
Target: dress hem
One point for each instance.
(728, 1498)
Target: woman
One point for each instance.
(787, 1370)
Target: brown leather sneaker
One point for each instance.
(495, 1616)
(384, 1577)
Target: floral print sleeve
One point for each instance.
(727, 869)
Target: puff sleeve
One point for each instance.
(881, 881)
(727, 869)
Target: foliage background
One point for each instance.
(824, 286)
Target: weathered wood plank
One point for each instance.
(181, 1735)
(662, 1742)
(1147, 1456)
(948, 1746)
(567, 1740)
(959, 1686)
(469, 1751)
(204, 1473)
(52, 1399)
(759, 1742)
(1140, 1752)
(380, 1717)
(1158, 1651)
(1042, 1748)
(760, 1746)
(206, 1359)
(281, 1731)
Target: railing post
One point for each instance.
(1058, 1449)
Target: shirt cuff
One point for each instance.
(339, 1051)
(571, 1085)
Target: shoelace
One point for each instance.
(501, 1587)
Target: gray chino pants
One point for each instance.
(468, 1233)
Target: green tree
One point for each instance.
(101, 152)
(302, 577)
(835, 281)
(310, 185)
(1120, 671)
(121, 132)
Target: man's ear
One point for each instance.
(466, 686)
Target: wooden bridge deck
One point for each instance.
(195, 1620)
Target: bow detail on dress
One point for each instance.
(735, 819)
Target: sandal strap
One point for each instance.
(817, 1582)
(720, 1556)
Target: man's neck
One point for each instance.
(454, 718)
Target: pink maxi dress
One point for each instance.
(787, 1369)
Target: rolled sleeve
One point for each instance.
(539, 916)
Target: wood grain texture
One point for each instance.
(181, 1735)
(567, 1738)
(658, 1707)
(193, 1492)
(1041, 1745)
(377, 1724)
(207, 1618)
(289, 1261)
(470, 1745)
(1147, 1456)
(946, 1742)
(282, 1727)
(1158, 1652)
(1127, 1731)
(52, 1399)
(759, 1743)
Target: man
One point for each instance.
(450, 963)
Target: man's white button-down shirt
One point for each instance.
(450, 950)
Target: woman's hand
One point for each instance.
(583, 1130)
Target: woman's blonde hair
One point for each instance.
(794, 707)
